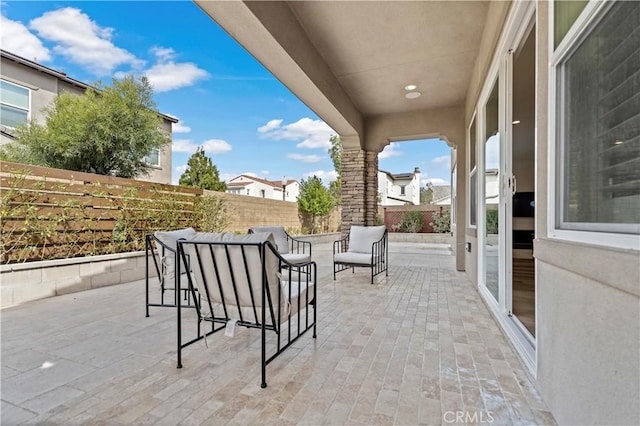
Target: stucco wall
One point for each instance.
(588, 304)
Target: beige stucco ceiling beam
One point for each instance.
(273, 35)
(444, 123)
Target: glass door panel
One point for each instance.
(492, 193)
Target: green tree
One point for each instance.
(107, 130)
(202, 173)
(426, 195)
(315, 201)
(335, 152)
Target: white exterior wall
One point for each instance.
(388, 187)
(292, 192)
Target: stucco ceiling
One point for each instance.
(349, 60)
(376, 48)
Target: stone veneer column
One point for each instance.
(371, 187)
(359, 188)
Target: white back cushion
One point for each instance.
(361, 238)
(279, 235)
(214, 266)
(170, 239)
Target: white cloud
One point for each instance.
(179, 170)
(180, 128)
(216, 146)
(82, 41)
(443, 159)
(16, 38)
(168, 75)
(184, 145)
(211, 146)
(271, 125)
(312, 133)
(324, 175)
(305, 158)
(264, 172)
(390, 150)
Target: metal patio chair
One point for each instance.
(239, 281)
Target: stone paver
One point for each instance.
(417, 347)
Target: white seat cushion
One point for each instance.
(361, 238)
(297, 258)
(353, 258)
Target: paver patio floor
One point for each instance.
(416, 347)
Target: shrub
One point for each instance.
(211, 214)
(441, 222)
(492, 222)
(412, 222)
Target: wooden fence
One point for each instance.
(50, 213)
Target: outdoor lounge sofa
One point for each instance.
(239, 281)
(161, 252)
(292, 249)
(364, 246)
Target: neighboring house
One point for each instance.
(28, 87)
(263, 188)
(555, 85)
(399, 189)
(440, 193)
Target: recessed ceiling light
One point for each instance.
(515, 122)
(412, 95)
(409, 87)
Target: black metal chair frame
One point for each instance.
(266, 316)
(379, 257)
(295, 245)
(157, 250)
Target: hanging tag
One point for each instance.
(230, 328)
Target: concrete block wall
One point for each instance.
(24, 282)
(245, 212)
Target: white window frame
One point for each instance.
(474, 171)
(153, 164)
(15, 106)
(591, 14)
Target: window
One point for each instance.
(598, 124)
(473, 181)
(153, 158)
(15, 104)
(402, 189)
(262, 193)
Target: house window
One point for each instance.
(402, 189)
(15, 103)
(473, 181)
(598, 124)
(262, 193)
(153, 158)
(248, 192)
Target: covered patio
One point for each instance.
(418, 347)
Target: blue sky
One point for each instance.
(227, 102)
